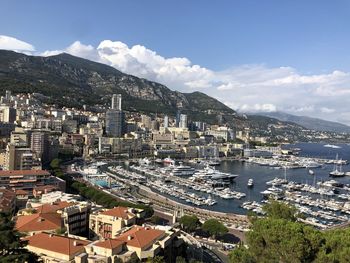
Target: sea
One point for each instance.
(263, 174)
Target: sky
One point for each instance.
(253, 55)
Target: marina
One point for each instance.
(242, 186)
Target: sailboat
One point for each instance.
(337, 170)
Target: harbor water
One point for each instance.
(263, 174)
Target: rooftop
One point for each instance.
(110, 243)
(38, 222)
(119, 212)
(141, 237)
(55, 243)
(23, 172)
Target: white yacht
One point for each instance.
(337, 171)
(250, 182)
(182, 170)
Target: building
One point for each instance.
(20, 158)
(146, 121)
(107, 223)
(115, 122)
(39, 222)
(166, 121)
(54, 248)
(19, 137)
(39, 144)
(183, 121)
(144, 242)
(7, 114)
(76, 219)
(7, 200)
(24, 179)
(117, 102)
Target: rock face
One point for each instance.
(73, 81)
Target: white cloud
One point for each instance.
(252, 88)
(327, 110)
(11, 43)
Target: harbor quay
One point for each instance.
(232, 220)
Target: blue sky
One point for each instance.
(312, 36)
(252, 55)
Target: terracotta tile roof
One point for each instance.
(120, 212)
(58, 244)
(38, 222)
(141, 237)
(21, 192)
(110, 243)
(23, 172)
(50, 208)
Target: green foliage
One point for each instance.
(280, 238)
(156, 220)
(241, 255)
(104, 199)
(279, 210)
(133, 259)
(156, 259)
(189, 223)
(214, 228)
(11, 245)
(117, 260)
(336, 247)
(180, 260)
(61, 231)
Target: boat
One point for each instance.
(331, 146)
(214, 162)
(182, 170)
(250, 182)
(311, 172)
(168, 161)
(337, 171)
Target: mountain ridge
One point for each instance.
(82, 81)
(309, 122)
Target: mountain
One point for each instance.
(72, 81)
(308, 122)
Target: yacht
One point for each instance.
(250, 183)
(182, 170)
(214, 162)
(331, 146)
(168, 161)
(337, 171)
(311, 172)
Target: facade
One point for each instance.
(117, 102)
(7, 200)
(107, 223)
(24, 179)
(115, 122)
(183, 121)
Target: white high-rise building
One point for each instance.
(166, 121)
(183, 121)
(117, 102)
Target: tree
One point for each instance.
(241, 255)
(133, 259)
(156, 259)
(180, 260)
(11, 246)
(279, 210)
(156, 220)
(214, 228)
(117, 260)
(189, 223)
